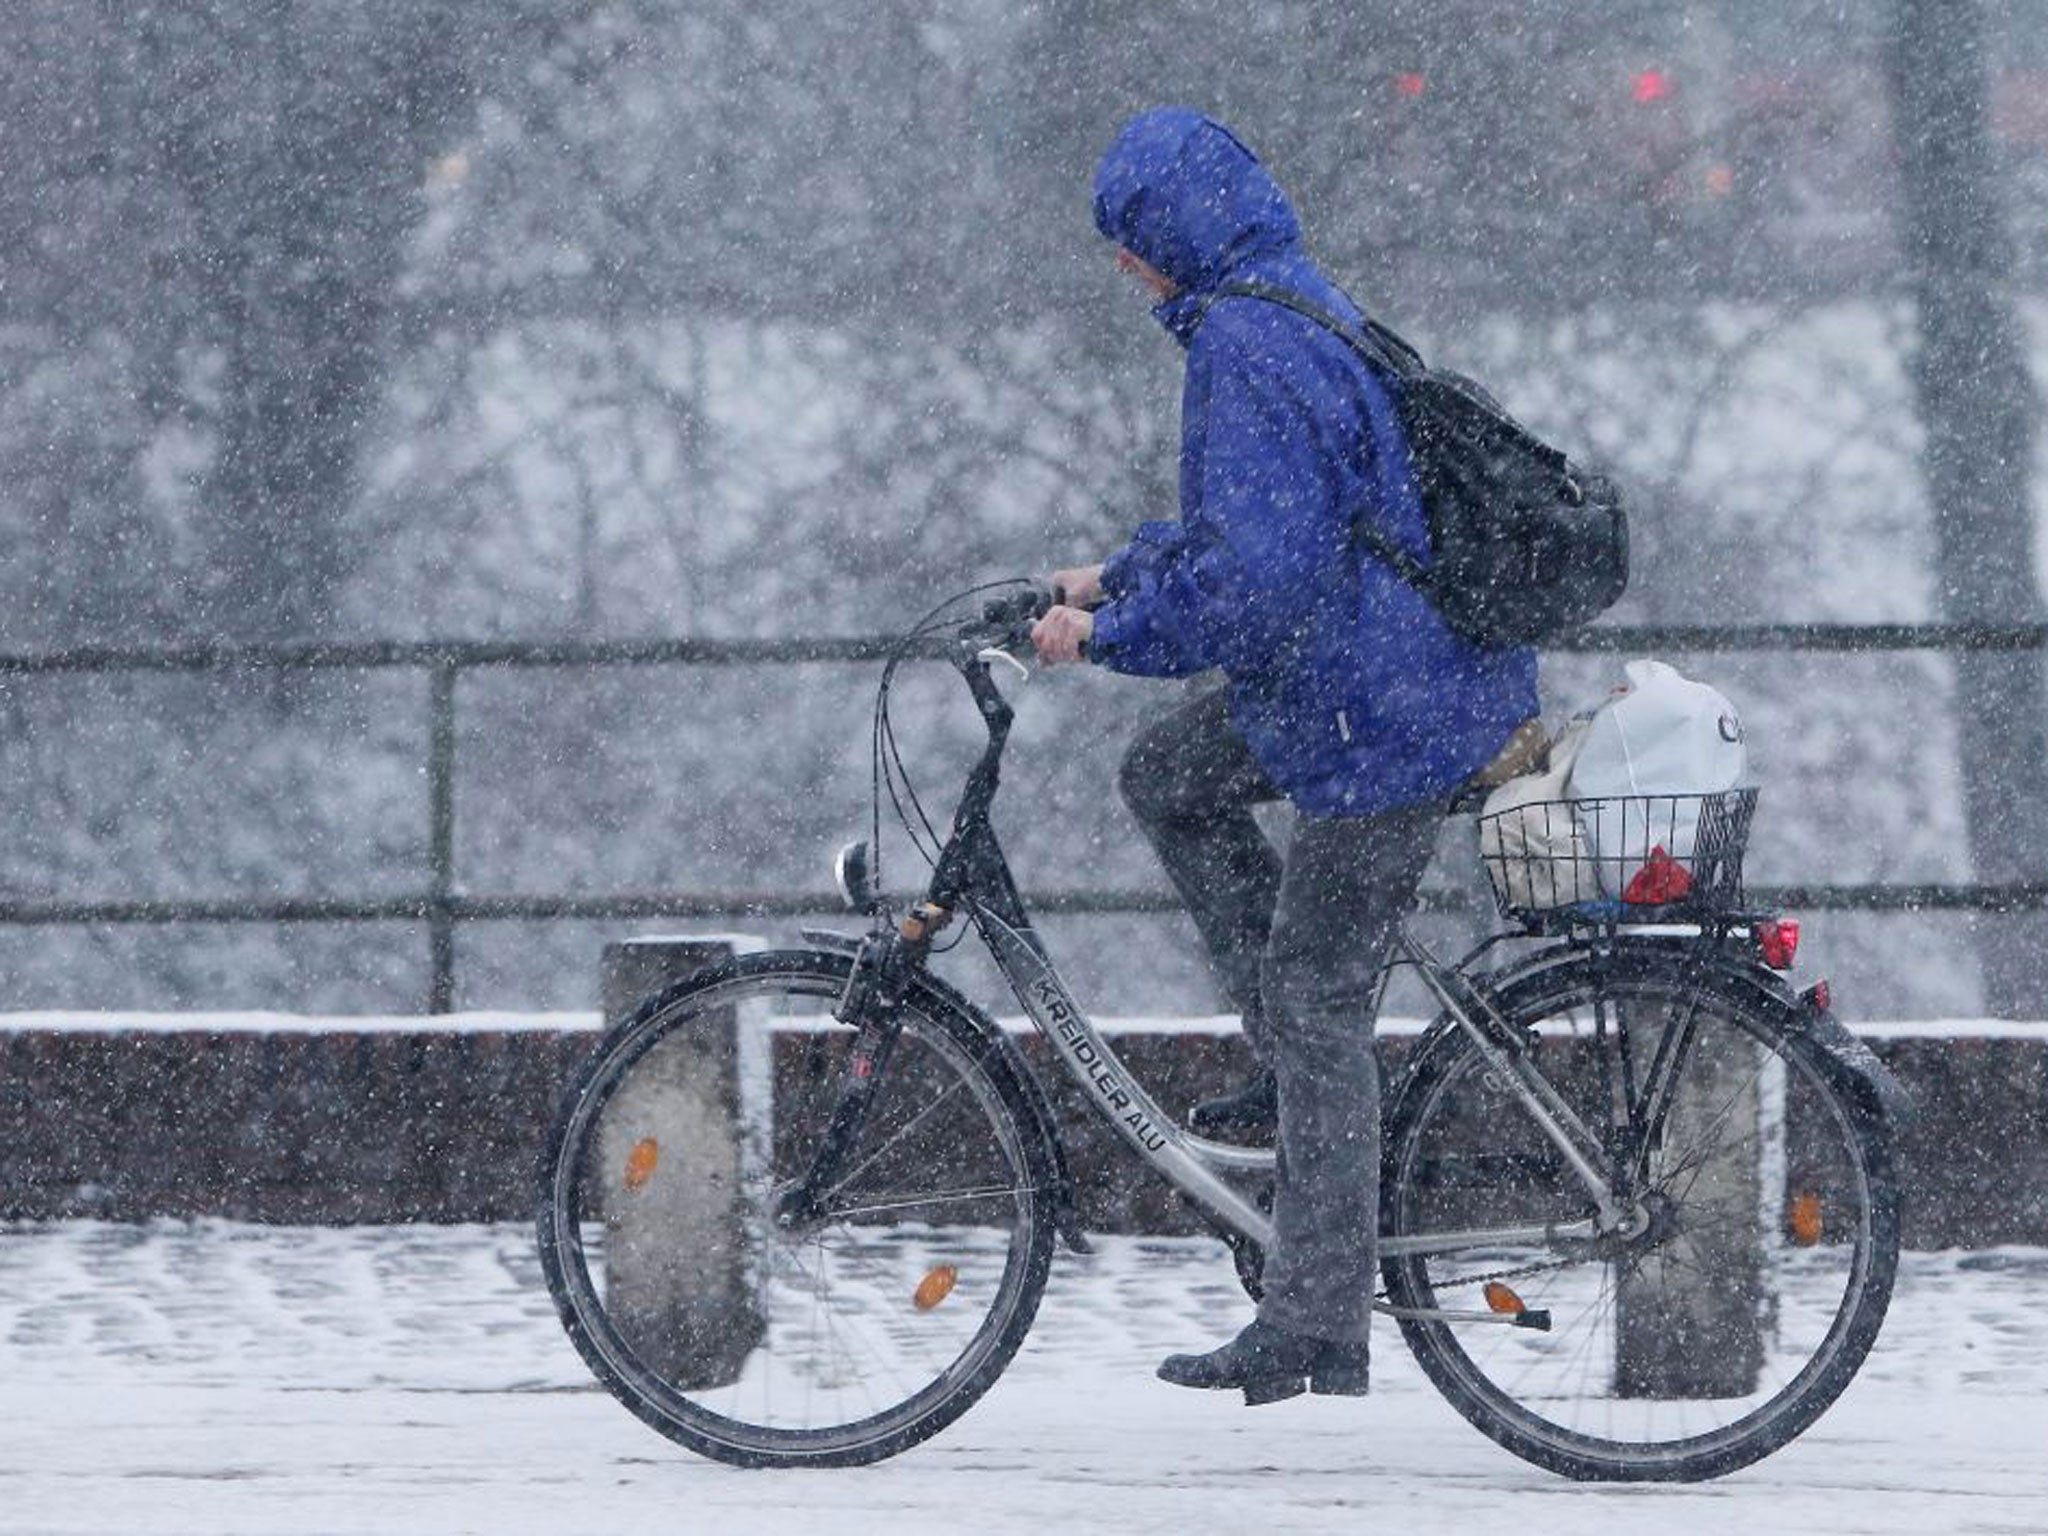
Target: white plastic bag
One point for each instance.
(1530, 842)
(1659, 734)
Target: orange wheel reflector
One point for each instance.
(640, 1163)
(1502, 1298)
(1804, 1219)
(935, 1287)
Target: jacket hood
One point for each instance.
(1179, 189)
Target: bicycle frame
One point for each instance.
(1195, 1165)
(971, 873)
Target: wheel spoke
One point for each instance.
(894, 1139)
(937, 1197)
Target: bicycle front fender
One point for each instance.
(994, 1047)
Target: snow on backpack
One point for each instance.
(1524, 546)
(1646, 777)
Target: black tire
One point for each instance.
(1728, 1327)
(880, 1325)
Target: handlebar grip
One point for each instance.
(1019, 607)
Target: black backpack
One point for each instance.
(1525, 546)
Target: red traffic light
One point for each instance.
(1651, 85)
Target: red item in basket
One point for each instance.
(1662, 879)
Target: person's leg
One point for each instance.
(1191, 781)
(1349, 882)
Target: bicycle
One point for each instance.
(1640, 1218)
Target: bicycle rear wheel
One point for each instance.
(855, 1334)
(1738, 1313)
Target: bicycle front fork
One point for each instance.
(871, 1006)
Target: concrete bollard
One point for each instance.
(675, 1144)
(1690, 1318)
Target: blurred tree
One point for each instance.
(1978, 406)
(214, 200)
(757, 316)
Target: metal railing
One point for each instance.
(440, 908)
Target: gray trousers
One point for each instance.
(1298, 943)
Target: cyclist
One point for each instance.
(1347, 695)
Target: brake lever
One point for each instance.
(995, 653)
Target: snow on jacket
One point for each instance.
(1350, 689)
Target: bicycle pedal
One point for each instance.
(1273, 1389)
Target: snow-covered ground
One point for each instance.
(222, 1379)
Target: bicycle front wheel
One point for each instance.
(1764, 1245)
(860, 1330)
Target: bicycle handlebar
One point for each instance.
(1005, 622)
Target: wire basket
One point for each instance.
(1622, 858)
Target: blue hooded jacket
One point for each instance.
(1348, 686)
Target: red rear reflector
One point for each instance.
(1818, 997)
(1778, 942)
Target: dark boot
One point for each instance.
(1268, 1364)
(1250, 1110)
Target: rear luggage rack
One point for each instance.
(1619, 859)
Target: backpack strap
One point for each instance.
(1376, 343)
(1381, 349)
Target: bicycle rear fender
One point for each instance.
(1879, 1087)
(1876, 1088)
(994, 1048)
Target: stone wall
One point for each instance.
(340, 1124)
